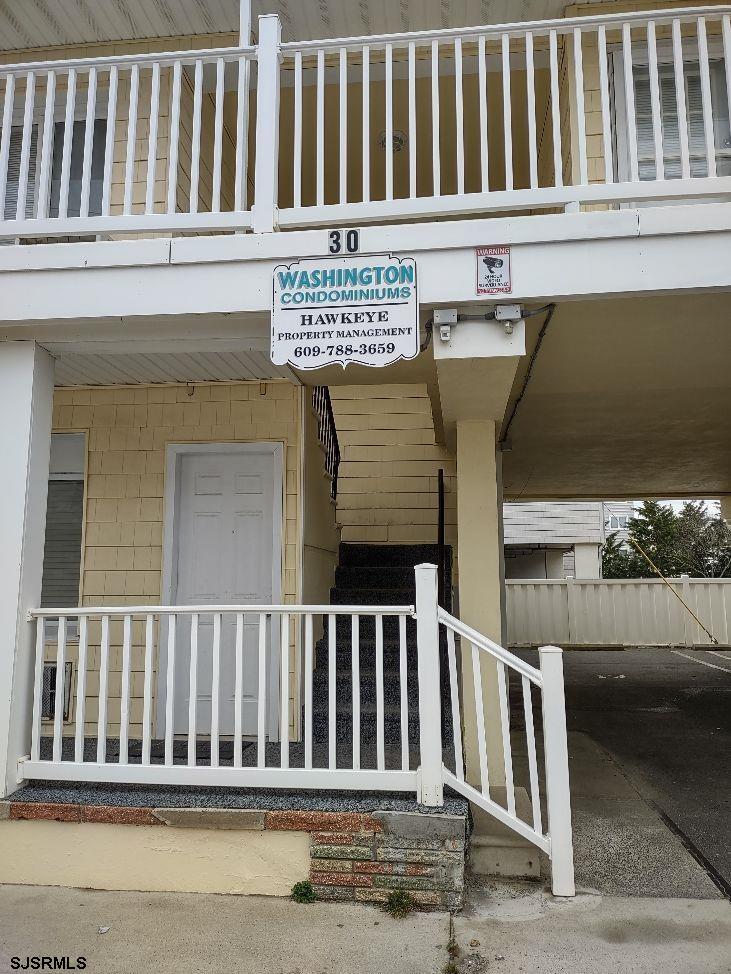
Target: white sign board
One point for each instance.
(493, 270)
(342, 310)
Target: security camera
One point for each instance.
(492, 263)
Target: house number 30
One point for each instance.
(343, 241)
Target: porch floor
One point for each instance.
(152, 796)
(202, 796)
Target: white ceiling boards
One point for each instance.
(51, 23)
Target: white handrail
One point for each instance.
(514, 28)
(123, 610)
(486, 761)
(163, 58)
(486, 644)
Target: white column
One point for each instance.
(26, 405)
(244, 23)
(266, 172)
(558, 794)
(479, 503)
(430, 708)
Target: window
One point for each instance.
(13, 183)
(76, 168)
(669, 121)
(76, 164)
(64, 521)
(618, 523)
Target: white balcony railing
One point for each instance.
(239, 696)
(135, 143)
(546, 115)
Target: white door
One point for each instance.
(224, 553)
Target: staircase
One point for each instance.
(371, 574)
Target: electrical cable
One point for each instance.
(549, 310)
(429, 328)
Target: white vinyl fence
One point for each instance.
(618, 612)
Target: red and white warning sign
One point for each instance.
(493, 270)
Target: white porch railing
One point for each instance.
(139, 672)
(608, 109)
(488, 660)
(161, 647)
(618, 612)
(135, 143)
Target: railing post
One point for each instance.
(558, 796)
(264, 210)
(688, 623)
(431, 786)
(571, 609)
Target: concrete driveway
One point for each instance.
(513, 928)
(658, 722)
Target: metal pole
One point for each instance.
(440, 538)
(678, 597)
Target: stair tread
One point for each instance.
(373, 555)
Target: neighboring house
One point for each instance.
(558, 539)
(617, 517)
(480, 218)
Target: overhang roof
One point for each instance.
(52, 23)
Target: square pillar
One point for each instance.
(26, 406)
(587, 561)
(481, 583)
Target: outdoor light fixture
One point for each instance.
(509, 314)
(444, 318)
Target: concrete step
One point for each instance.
(495, 850)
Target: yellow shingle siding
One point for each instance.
(128, 429)
(387, 488)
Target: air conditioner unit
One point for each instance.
(48, 699)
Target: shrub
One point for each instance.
(399, 903)
(303, 892)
